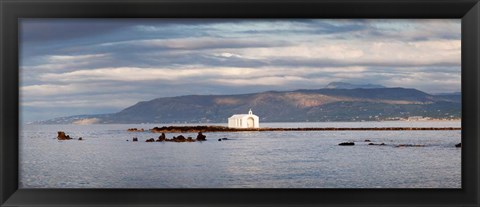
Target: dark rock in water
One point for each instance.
(150, 140)
(367, 140)
(161, 138)
(80, 138)
(136, 130)
(181, 137)
(376, 144)
(224, 138)
(411, 145)
(135, 139)
(346, 144)
(127, 140)
(458, 145)
(62, 136)
(219, 140)
(201, 137)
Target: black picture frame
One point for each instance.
(12, 10)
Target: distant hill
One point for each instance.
(327, 104)
(343, 85)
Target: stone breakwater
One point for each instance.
(194, 129)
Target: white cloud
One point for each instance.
(359, 52)
(200, 73)
(191, 43)
(418, 29)
(59, 89)
(227, 54)
(70, 58)
(49, 90)
(65, 62)
(114, 100)
(74, 103)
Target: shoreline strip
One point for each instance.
(226, 129)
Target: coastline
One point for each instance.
(176, 129)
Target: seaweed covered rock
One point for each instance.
(62, 136)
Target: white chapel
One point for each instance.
(249, 120)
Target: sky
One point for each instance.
(92, 66)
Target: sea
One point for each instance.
(107, 157)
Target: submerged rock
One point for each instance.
(411, 145)
(150, 140)
(135, 139)
(346, 144)
(376, 144)
(458, 145)
(136, 130)
(367, 140)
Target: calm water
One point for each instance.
(249, 160)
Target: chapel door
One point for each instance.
(250, 122)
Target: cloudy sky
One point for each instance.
(88, 66)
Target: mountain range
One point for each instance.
(335, 102)
(344, 85)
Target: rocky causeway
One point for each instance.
(184, 129)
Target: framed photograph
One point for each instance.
(364, 103)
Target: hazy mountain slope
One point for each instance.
(300, 105)
(343, 85)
